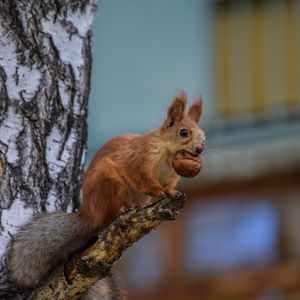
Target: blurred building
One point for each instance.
(237, 237)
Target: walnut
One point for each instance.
(186, 165)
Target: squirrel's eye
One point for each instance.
(183, 132)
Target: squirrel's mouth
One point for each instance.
(186, 152)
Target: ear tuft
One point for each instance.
(196, 109)
(176, 109)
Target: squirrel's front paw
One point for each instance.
(156, 193)
(174, 194)
(124, 210)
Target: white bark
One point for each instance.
(44, 88)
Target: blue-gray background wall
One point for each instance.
(143, 53)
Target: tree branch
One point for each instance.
(82, 270)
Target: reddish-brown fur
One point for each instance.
(130, 168)
(126, 170)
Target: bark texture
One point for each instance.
(45, 61)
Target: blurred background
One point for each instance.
(238, 237)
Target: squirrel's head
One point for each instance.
(180, 130)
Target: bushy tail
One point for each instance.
(42, 244)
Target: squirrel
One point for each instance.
(128, 170)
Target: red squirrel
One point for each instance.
(126, 170)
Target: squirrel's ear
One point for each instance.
(176, 109)
(196, 109)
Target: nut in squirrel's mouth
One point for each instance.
(186, 164)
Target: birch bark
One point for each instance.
(45, 62)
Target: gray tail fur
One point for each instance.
(42, 244)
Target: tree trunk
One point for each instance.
(45, 61)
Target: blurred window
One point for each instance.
(228, 235)
(257, 57)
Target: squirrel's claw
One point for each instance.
(166, 214)
(174, 195)
(124, 210)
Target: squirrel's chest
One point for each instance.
(165, 173)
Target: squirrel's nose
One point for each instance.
(199, 149)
